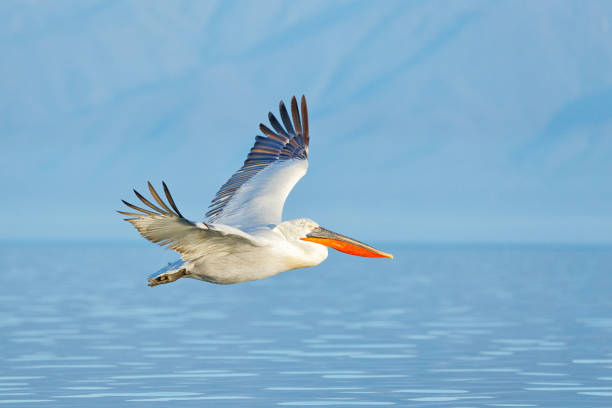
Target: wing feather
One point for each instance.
(277, 126)
(169, 228)
(138, 208)
(170, 200)
(157, 198)
(256, 193)
(147, 202)
(305, 133)
(295, 114)
(285, 118)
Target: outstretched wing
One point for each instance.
(166, 226)
(255, 194)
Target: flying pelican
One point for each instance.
(244, 238)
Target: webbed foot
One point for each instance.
(167, 277)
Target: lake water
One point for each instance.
(439, 326)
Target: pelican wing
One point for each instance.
(167, 226)
(255, 194)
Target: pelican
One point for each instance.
(244, 238)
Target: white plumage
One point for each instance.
(245, 238)
(260, 200)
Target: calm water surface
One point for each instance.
(437, 327)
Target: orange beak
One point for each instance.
(343, 244)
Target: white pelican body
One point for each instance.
(244, 238)
(265, 253)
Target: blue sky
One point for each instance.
(464, 121)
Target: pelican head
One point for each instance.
(307, 230)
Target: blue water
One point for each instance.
(439, 326)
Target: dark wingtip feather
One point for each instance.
(269, 133)
(138, 208)
(277, 126)
(285, 118)
(170, 200)
(157, 198)
(147, 202)
(295, 113)
(305, 133)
